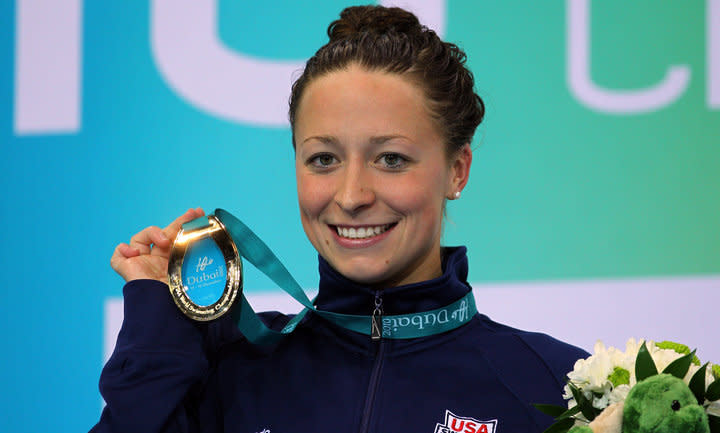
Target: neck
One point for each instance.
(340, 294)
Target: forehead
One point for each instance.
(357, 102)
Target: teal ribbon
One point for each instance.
(401, 326)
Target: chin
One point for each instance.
(364, 274)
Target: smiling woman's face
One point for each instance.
(372, 176)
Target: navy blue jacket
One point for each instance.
(169, 374)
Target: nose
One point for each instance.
(355, 190)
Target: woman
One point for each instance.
(382, 120)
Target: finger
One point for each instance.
(143, 240)
(161, 243)
(122, 252)
(157, 236)
(141, 248)
(172, 230)
(126, 251)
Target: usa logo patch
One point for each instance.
(461, 424)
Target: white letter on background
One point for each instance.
(606, 100)
(225, 83)
(48, 43)
(713, 53)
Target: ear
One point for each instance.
(459, 171)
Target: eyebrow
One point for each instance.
(383, 138)
(329, 139)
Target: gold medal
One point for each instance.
(204, 270)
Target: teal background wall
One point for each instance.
(559, 190)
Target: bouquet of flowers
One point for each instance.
(650, 387)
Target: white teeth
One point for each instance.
(361, 232)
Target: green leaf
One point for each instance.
(680, 366)
(697, 384)
(551, 409)
(585, 405)
(714, 422)
(568, 413)
(644, 364)
(713, 391)
(560, 426)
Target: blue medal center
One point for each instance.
(204, 272)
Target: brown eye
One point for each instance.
(393, 160)
(322, 160)
(675, 405)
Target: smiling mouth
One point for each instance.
(362, 232)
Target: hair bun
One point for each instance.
(373, 19)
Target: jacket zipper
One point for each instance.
(376, 336)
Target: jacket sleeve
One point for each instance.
(158, 371)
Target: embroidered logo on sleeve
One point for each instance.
(461, 424)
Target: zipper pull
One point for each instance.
(376, 320)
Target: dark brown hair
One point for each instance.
(393, 40)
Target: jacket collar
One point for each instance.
(341, 295)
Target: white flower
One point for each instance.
(663, 357)
(709, 378)
(632, 347)
(619, 393)
(600, 402)
(591, 375)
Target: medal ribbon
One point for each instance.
(400, 326)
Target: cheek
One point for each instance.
(313, 196)
(311, 208)
(421, 195)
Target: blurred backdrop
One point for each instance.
(592, 212)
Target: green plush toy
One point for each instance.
(659, 404)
